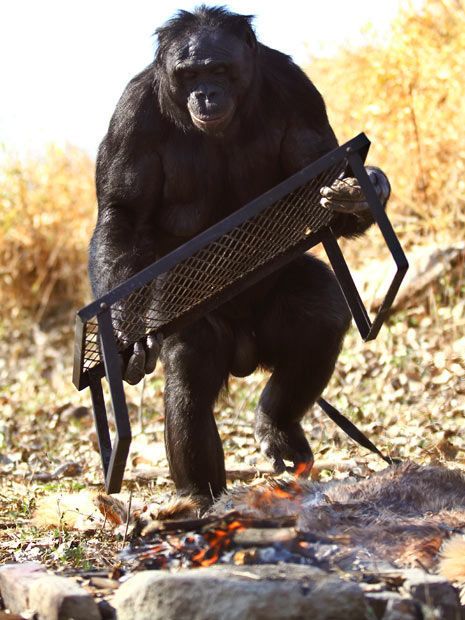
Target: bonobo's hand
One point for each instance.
(284, 443)
(346, 195)
(142, 359)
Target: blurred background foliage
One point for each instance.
(47, 209)
(405, 92)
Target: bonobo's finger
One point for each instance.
(344, 195)
(152, 351)
(380, 183)
(344, 207)
(135, 368)
(344, 189)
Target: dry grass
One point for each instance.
(406, 93)
(46, 213)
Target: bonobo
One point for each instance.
(216, 120)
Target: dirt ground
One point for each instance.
(406, 391)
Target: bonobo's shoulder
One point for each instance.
(136, 109)
(291, 86)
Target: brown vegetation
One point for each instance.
(406, 93)
(46, 211)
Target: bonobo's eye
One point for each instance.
(219, 70)
(186, 74)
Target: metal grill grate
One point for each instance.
(212, 268)
(215, 267)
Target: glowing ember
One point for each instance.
(219, 540)
(302, 470)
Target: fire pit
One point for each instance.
(382, 535)
(394, 516)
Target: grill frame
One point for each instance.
(97, 332)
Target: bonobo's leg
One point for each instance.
(196, 363)
(300, 329)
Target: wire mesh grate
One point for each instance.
(211, 270)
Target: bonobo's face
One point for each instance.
(209, 74)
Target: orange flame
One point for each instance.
(218, 540)
(302, 470)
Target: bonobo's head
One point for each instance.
(205, 68)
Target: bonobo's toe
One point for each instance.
(302, 465)
(278, 465)
(284, 444)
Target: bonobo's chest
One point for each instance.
(207, 179)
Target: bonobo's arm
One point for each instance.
(129, 184)
(309, 136)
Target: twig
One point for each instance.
(127, 518)
(141, 405)
(418, 145)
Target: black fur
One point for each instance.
(189, 143)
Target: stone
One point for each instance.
(28, 587)
(402, 609)
(393, 606)
(15, 583)
(262, 592)
(435, 592)
(378, 601)
(107, 611)
(59, 598)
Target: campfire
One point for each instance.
(231, 539)
(398, 518)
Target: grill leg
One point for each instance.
(114, 472)
(101, 420)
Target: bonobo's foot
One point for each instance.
(284, 443)
(142, 359)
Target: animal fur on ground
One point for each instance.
(401, 514)
(88, 511)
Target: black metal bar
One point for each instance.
(390, 238)
(79, 345)
(213, 233)
(351, 430)
(120, 451)
(101, 419)
(347, 284)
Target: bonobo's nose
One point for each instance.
(206, 95)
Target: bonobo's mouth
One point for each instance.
(212, 122)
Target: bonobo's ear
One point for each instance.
(242, 27)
